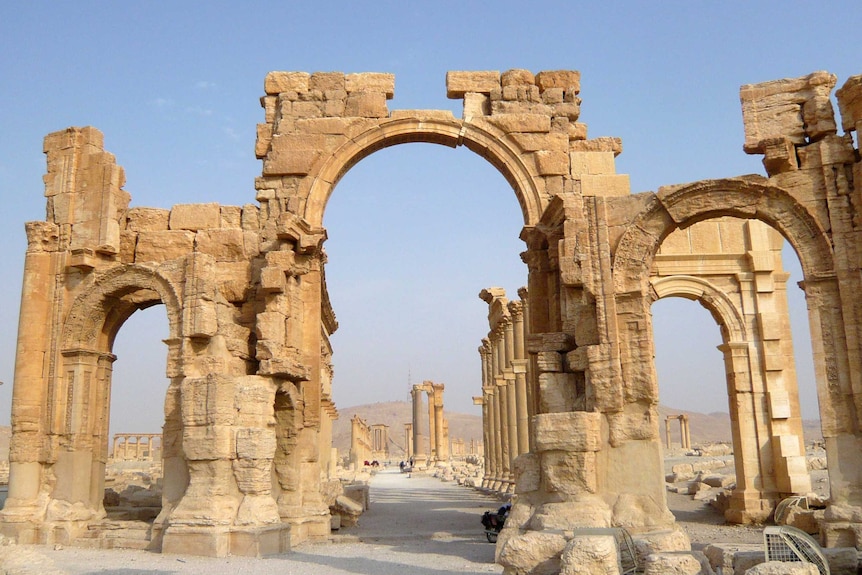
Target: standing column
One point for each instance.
(519, 367)
(503, 427)
(408, 440)
(439, 423)
(432, 422)
(418, 440)
(496, 438)
(532, 371)
(686, 433)
(667, 431)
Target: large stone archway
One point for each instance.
(249, 354)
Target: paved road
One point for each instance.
(415, 526)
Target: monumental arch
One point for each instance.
(248, 410)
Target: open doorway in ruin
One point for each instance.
(134, 472)
(444, 231)
(734, 269)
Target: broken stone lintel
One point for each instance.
(556, 341)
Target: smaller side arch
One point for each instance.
(713, 299)
(682, 206)
(112, 298)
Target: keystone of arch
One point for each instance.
(426, 127)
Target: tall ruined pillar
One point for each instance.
(418, 438)
(441, 439)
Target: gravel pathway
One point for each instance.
(415, 525)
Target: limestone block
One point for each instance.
(366, 105)
(639, 511)
(582, 510)
(553, 95)
(476, 105)
(163, 246)
(678, 563)
(568, 431)
(128, 242)
(849, 98)
(371, 82)
(793, 108)
(208, 443)
(348, 509)
(556, 392)
(569, 472)
(250, 220)
(721, 555)
(527, 473)
(254, 399)
(263, 140)
(271, 326)
(459, 83)
(549, 361)
(200, 318)
(195, 216)
(592, 163)
(278, 82)
(147, 219)
(604, 144)
(675, 539)
(533, 552)
(360, 493)
(257, 509)
(253, 476)
(222, 244)
(297, 162)
(517, 77)
(569, 80)
(208, 400)
(783, 568)
(570, 110)
(234, 281)
(332, 126)
(255, 443)
(719, 481)
(552, 141)
(779, 408)
(325, 81)
(605, 185)
(526, 123)
(551, 163)
(590, 555)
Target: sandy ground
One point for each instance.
(417, 525)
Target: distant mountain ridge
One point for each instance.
(704, 427)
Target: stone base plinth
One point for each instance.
(745, 510)
(219, 541)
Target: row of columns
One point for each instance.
(684, 431)
(507, 396)
(438, 426)
(145, 447)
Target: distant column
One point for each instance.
(418, 440)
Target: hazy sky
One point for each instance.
(416, 231)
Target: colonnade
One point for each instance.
(438, 426)
(684, 431)
(507, 393)
(145, 447)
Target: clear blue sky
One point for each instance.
(415, 231)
